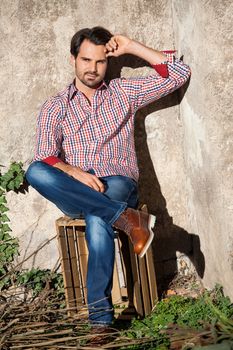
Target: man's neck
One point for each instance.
(86, 90)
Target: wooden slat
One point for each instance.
(144, 285)
(66, 268)
(151, 270)
(66, 221)
(151, 277)
(74, 266)
(116, 291)
(138, 303)
(83, 259)
(128, 292)
(120, 267)
(119, 290)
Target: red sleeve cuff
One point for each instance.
(51, 160)
(168, 52)
(162, 67)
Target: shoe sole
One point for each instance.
(151, 223)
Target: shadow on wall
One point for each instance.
(169, 238)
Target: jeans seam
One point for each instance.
(130, 194)
(119, 212)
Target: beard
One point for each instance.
(90, 79)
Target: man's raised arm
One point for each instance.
(170, 73)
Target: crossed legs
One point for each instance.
(100, 210)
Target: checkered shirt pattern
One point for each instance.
(100, 135)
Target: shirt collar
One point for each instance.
(74, 91)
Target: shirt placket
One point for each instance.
(94, 115)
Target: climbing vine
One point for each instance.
(9, 246)
(35, 279)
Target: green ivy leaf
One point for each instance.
(11, 185)
(3, 208)
(2, 199)
(4, 218)
(9, 246)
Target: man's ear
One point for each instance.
(72, 60)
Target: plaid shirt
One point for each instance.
(100, 136)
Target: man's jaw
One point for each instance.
(91, 78)
(88, 81)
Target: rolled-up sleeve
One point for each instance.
(168, 76)
(49, 131)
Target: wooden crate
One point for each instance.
(134, 282)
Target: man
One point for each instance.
(92, 123)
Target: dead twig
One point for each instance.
(27, 258)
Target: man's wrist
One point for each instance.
(63, 166)
(134, 47)
(140, 50)
(68, 169)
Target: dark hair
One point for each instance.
(97, 35)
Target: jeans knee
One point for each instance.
(121, 188)
(121, 183)
(38, 174)
(31, 173)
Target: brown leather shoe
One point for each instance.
(101, 335)
(138, 226)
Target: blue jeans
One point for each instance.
(101, 210)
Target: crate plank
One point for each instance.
(116, 291)
(137, 294)
(151, 277)
(75, 267)
(83, 259)
(144, 285)
(66, 268)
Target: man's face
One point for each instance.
(90, 64)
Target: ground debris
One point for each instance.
(185, 285)
(40, 323)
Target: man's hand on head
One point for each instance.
(117, 46)
(82, 176)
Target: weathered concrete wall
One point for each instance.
(204, 31)
(184, 150)
(35, 39)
